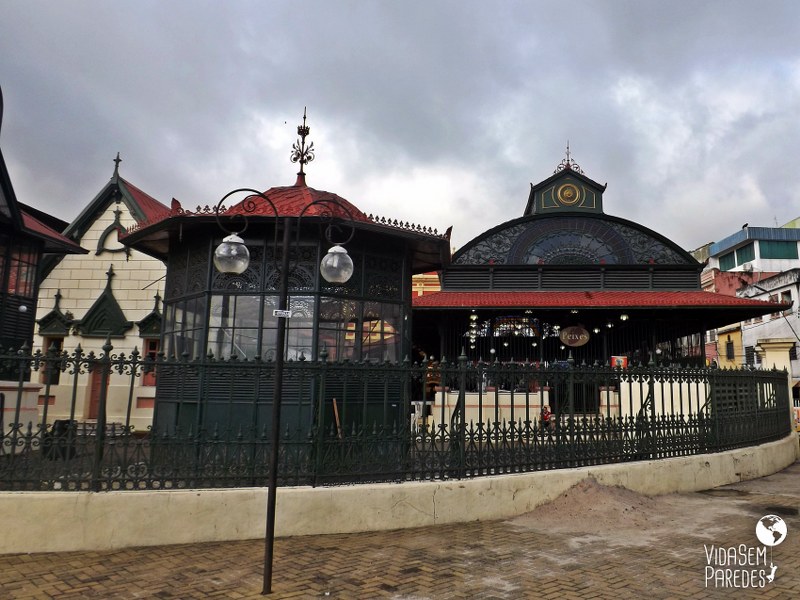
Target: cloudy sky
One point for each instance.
(439, 112)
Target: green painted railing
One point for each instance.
(364, 422)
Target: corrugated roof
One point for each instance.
(748, 234)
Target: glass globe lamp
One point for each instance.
(336, 266)
(232, 256)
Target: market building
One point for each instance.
(567, 280)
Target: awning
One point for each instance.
(681, 311)
(593, 299)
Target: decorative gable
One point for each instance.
(105, 318)
(55, 323)
(150, 326)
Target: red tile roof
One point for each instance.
(586, 299)
(290, 201)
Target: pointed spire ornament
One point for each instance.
(568, 163)
(300, 152)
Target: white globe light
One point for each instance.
(232, 256)
(336, 266)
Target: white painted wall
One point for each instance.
(67, 521)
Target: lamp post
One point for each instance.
(232, 256)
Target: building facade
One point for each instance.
(566, 280)
(760, 263)
(113, 293)
(27, 240)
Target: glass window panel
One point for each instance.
(175, 317)
(777, 249)
(379, 334)
(22, 271)
(727, 261)
(745, 254)
(337, 327)
(300, 328)
(269, 328)
(233, 326)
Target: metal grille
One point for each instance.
(571, 280)
(515, 280)
(478, 279)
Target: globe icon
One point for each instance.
(771, 530)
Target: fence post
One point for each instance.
(462, 408)
(23, 357)
(319, 437)
(571, 401)
(100, 432)
(713, 442)
(651, 393)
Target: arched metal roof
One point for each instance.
(571, 239)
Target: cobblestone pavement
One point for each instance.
(489, 560)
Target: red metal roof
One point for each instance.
(290, 201)
(152, 208)
(586, 299)
(54, 241)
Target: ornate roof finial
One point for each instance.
(301, 153)
(568, 163)
(110, 273)
(116, 165)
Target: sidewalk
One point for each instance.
(589, 544)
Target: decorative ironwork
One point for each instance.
(568, 164)
(407, 226)
(383, 277)
(574, 240)
(175, 285)
(300, 152)
(476, 420)
(197, 272)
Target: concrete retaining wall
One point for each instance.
(65, 521)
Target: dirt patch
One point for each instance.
(618, 515)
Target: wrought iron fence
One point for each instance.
(357, 422)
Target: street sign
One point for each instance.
(282, 314)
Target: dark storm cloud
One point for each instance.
(436, 112)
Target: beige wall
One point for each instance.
(81, 279)
(64, 521)
(625, 400)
